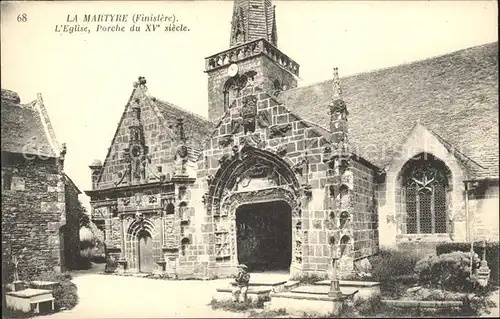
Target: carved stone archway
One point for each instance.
(234, 167)
(225, 225)
(137, 227)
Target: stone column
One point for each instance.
(122, 261)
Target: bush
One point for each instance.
(309, 279)
(111, 265)
(447, 271)
(492, 254)
(65, 293)
(267, 313)
(235, 306)
(393, 266)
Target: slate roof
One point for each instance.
(196, 127)
(454, 95)
(23, 128)
(72, 184)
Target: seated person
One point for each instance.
(242, 279)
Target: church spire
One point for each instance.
(253, 19)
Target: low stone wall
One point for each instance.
(365, 289)
(313, 305)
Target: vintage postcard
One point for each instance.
(249, 158)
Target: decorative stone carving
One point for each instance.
(298, 247)
(142, 80)
(279, 130)
(238, 28)
(300, 166)
(264, 119)
(62, 156)
(306, 189)
(225, 140)
(258, 171)
(248, 113)
(252, 140)
(281, 150)
(236, 150)
(181, 155)
(344, 219)
(204, 198)
(330, 224)
(317, 224)
(235, 125)
(276, 193)
(222, 245)
(210, 179)
(152, 199)
(327, 153)
(224, 160)
(347, 179)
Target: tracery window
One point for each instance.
(425, 194)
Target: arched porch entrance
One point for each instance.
(139, 245)
(254, 196)
(264, 235)
(145, 248)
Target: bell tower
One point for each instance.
(253, 56)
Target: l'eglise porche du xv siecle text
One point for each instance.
(116, 22)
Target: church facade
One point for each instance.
(281, 177)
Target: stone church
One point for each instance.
(281, 177)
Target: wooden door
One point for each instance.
(145, 253)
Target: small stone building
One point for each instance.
(282, 177)
(39, 226)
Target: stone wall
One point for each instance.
(483, 201)
(266, 73)
(33, 211)
(287, 137)
(365, 219)
(483, 206)
(159, 138)
(72, 239)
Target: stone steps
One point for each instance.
(223, 294)
(275, 286)
(321, 290)
(257, 288)
(300, 301)
(366, 289)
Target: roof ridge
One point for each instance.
(454, 149)
(390, 67)
(47, 124)
(122, 116)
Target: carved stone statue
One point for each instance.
(248, 113)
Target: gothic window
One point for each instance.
(425, 193)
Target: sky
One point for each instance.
(86, 78)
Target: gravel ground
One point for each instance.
(107, 296)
